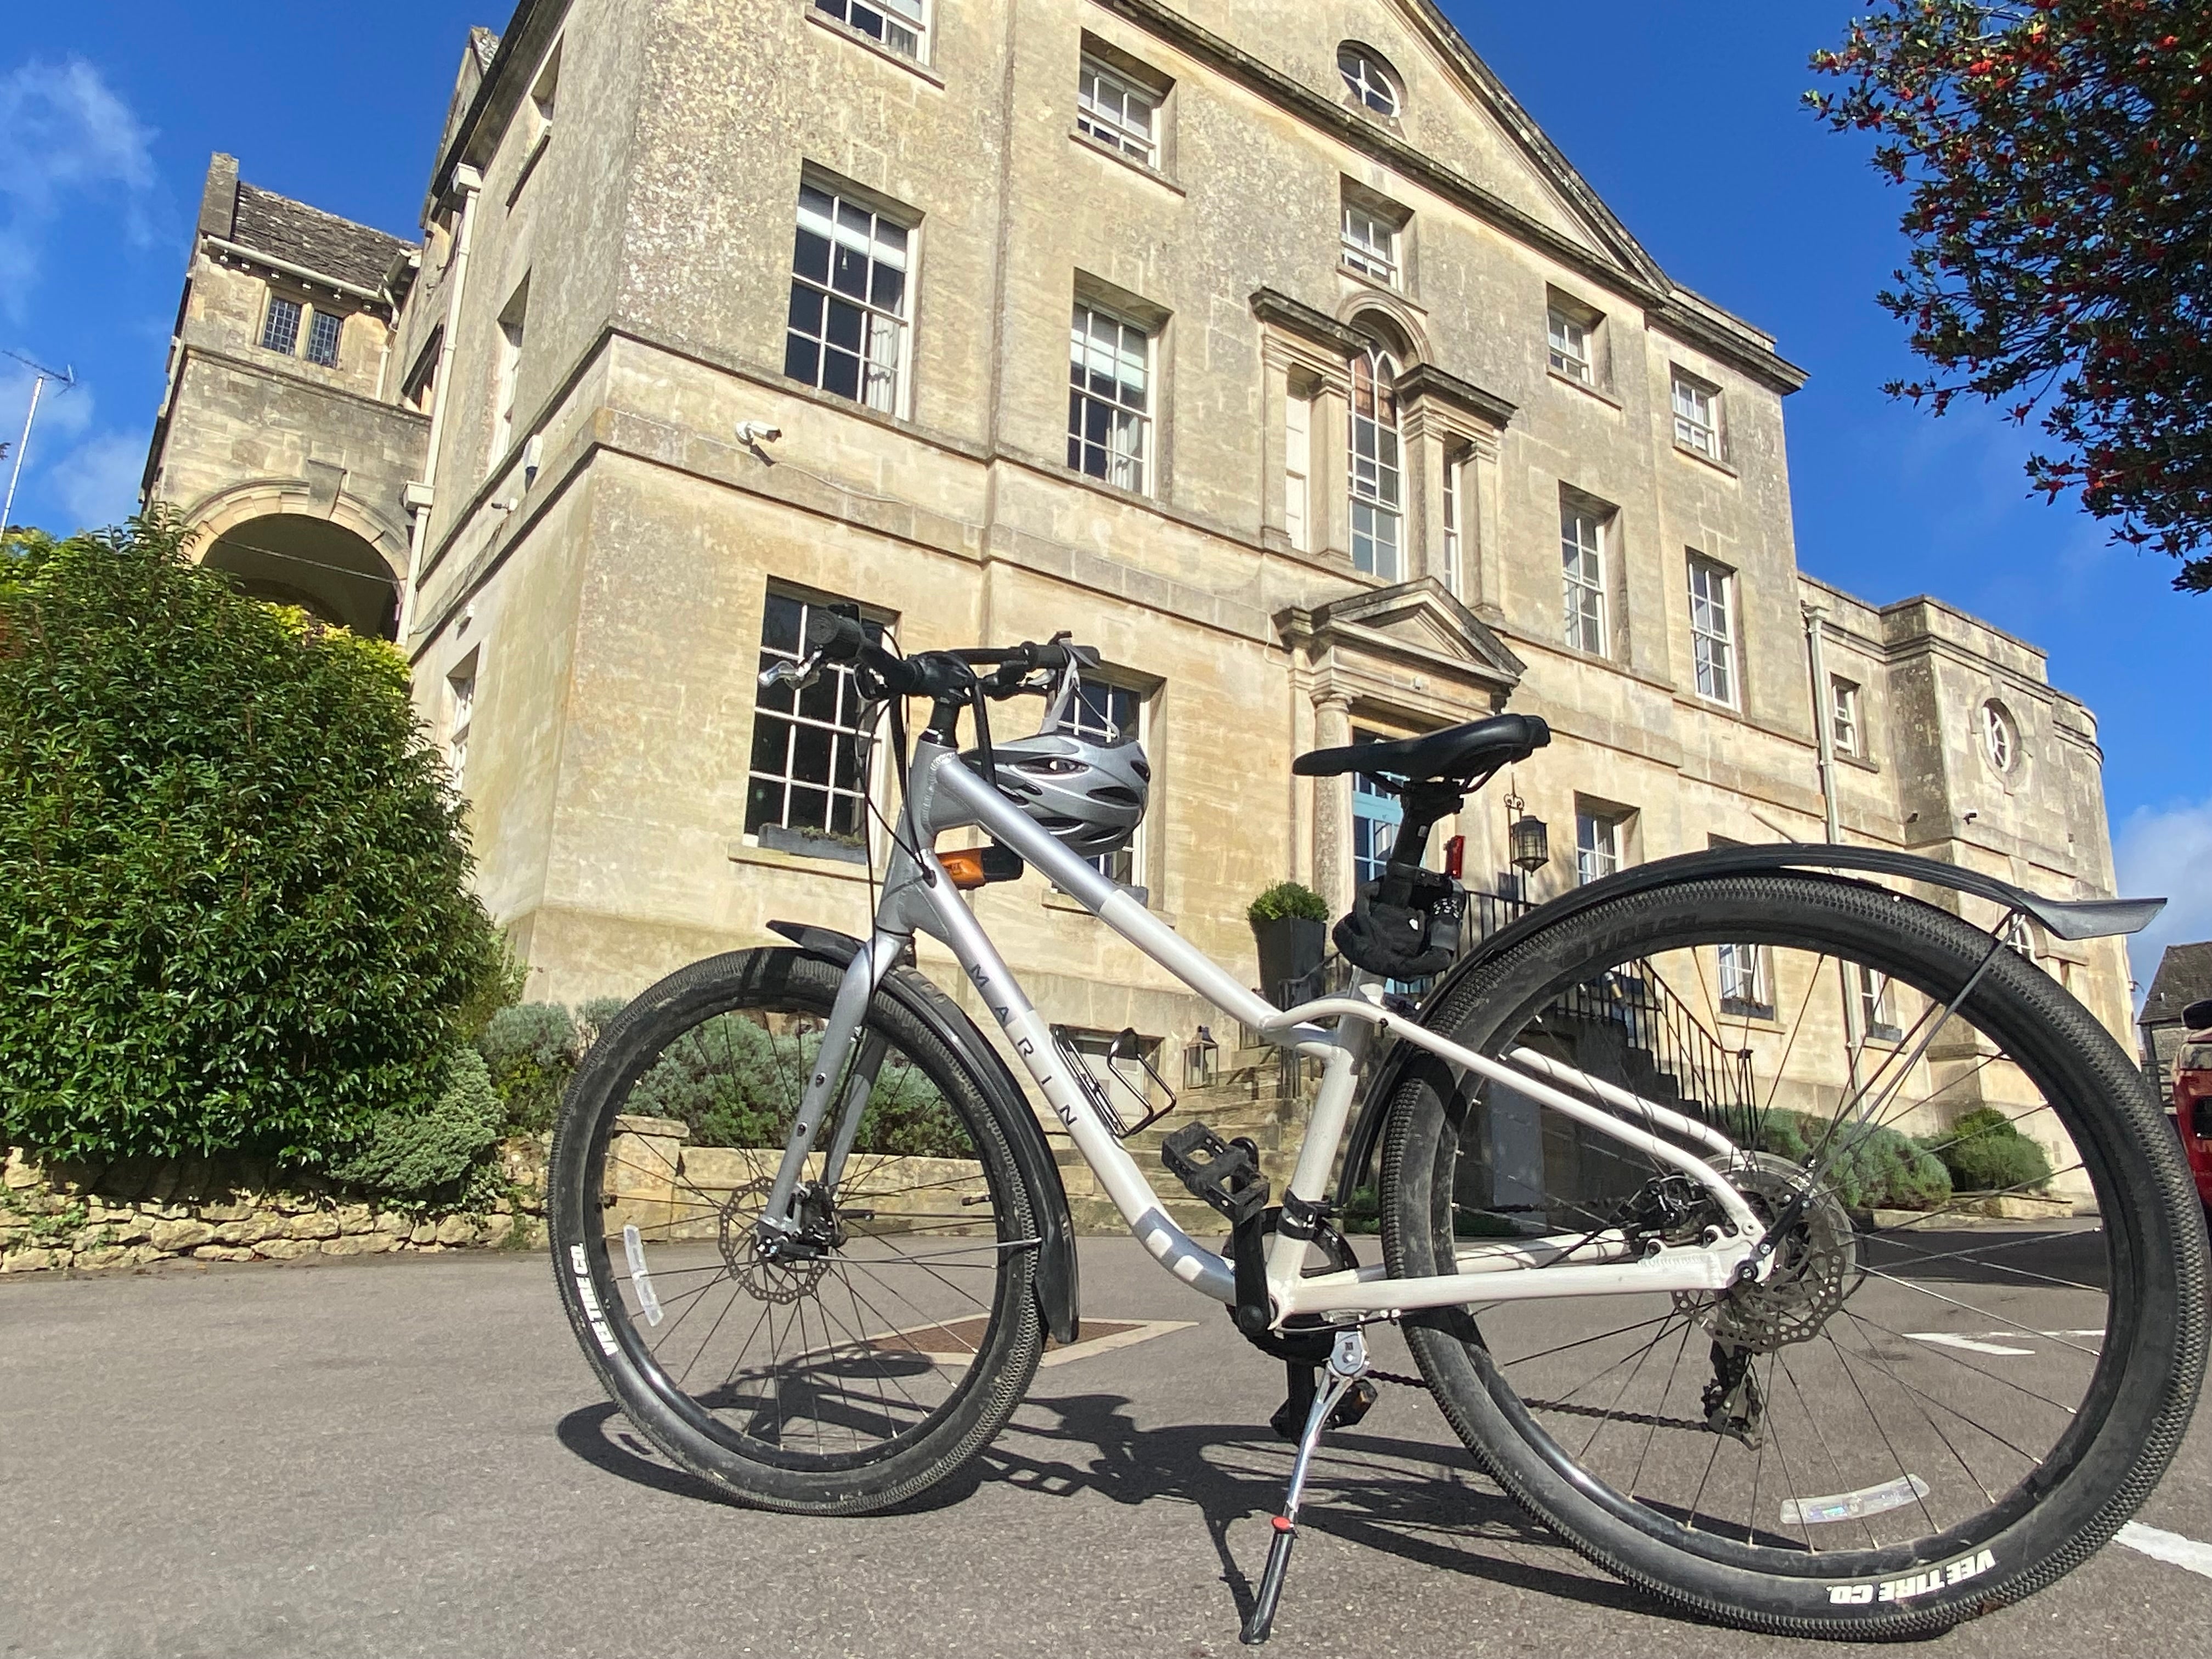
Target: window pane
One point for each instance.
(323, 339)
(806, 765)
(847, 317)
(1108, 404)
(280, 330)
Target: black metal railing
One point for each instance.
(1712, 1082)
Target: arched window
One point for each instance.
(2000, 743)
(1377, 495)
(1367, 78)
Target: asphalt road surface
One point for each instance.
(402, 1455)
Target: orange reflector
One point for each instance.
(965, 867)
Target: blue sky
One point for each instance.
(1684, 117)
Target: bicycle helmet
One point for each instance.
(1088, 794)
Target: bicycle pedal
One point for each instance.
(1225, 1173)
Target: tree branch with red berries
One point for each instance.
(2061, 225)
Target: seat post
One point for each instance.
(1427, 803)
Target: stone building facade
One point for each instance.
(1274, 351)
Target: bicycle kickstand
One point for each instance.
(1347, 1364)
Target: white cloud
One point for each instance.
(2167, 853)
(63, 133)
(97, 483)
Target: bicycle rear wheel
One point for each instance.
(868, 1365)
(1984, 1337)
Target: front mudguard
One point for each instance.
(1057, 1284)
(2068, 918)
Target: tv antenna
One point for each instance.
(41, 374)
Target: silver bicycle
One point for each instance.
(1792, 1249)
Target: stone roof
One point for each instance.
(2184, 976)
(308, 237)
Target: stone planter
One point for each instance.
(1290, 947)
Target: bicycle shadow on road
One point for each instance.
(1398, 1497)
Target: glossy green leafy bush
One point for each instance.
(234, 912)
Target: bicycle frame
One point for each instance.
(944, 793)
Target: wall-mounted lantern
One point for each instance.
(1531, 839)
(1201, 1060)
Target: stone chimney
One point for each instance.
(219, 201)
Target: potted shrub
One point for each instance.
(1290, 923)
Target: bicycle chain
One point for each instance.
(1393, 1376)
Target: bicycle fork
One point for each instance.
(1347, 1365)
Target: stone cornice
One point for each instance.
(1427, 380)
(1279, 310)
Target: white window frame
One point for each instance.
(1744, 981)
(2000, 738)
(1875, 1006)
(1376, 480)
(882, 242)
(1697, 411)
(1087, 719)
(899, 26)
(1597, 845)
(1844, 730)
(461, 713)
(843, 694)
(1108, 105)
(1570, 345)
(1712, 631)
(1582, 537)
(1298, 471)
(293, 311)
(1454, 465)
(1370, 84)
(1124, 451)
(1370, 244)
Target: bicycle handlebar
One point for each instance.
(833, 639)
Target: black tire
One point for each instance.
(890, 1418)
(2100, 1462)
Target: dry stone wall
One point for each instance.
(128, 1214)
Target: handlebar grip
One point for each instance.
(1059, 654)
(834, 638)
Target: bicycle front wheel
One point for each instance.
(874, 1359)
(1982, 1339)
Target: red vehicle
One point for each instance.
(2192, 1094)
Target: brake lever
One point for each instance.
(799, 674)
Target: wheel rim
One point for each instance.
(1904, 1379)
(842, 1356)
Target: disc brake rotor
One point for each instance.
(1816, 1267)
(782, 1281)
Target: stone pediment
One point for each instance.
(1416, 627)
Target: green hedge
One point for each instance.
(1873, 1167)
(1985, 1153)
(235, 912)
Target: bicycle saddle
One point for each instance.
(1457, 753)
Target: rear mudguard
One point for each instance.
(1057, 1282)
(2070, 919)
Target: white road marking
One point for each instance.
(1992, 1341)
(1944, 1339)
(2168, 1546)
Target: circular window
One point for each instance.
(2000, 742)
(1367, 78)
